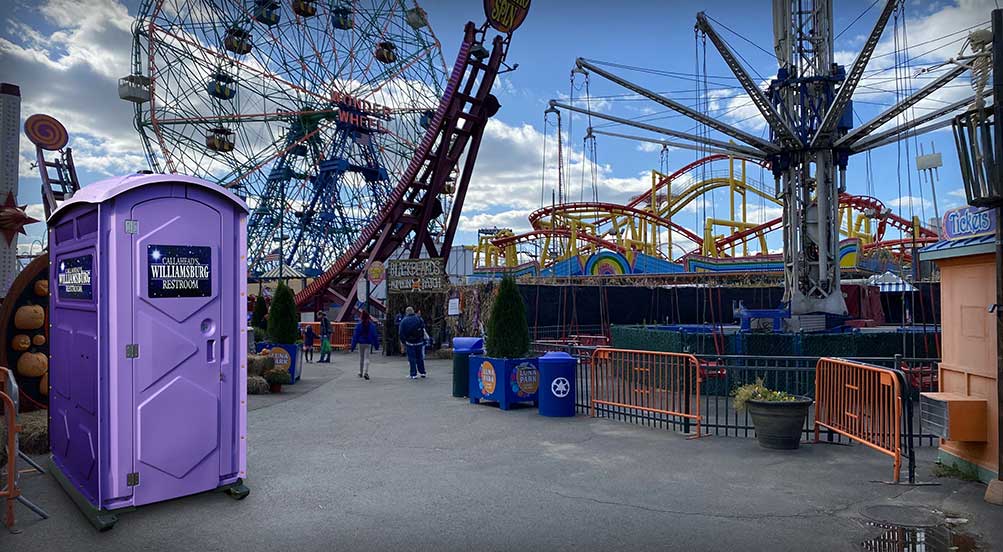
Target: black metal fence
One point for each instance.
(721, 374)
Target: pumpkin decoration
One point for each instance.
(32, 365)
(43, 386)
(38, 340)
(42, 288)
(29, 317)
(20, 342)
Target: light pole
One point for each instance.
(995, 491)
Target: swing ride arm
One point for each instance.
(736, 149)
(711, 122)
(780, 126)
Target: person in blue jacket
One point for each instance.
(367, 337)
(412, 334)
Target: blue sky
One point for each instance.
(66, 55)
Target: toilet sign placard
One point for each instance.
(74, 278)
(179, 271)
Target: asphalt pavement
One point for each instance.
(346, 464)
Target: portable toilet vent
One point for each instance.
(148, 342)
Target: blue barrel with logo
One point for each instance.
(463, 347)
(557, 384)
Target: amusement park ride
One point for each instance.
(307, 109)
(335, 121)
(809, 112)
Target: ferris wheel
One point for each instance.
(308, 109)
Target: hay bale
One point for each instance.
(444, 353)
(35, 432)
(257, 365)
(256, 385)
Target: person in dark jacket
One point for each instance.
(309, 337)
(412, 334)
(367, 337)
(325, 338)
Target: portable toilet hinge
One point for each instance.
(132, 479)
(132, 350)
(131, 226)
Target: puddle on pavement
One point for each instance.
(898, 538)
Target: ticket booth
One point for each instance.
(965, 410)
(148, 343)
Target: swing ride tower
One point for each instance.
(808, 110)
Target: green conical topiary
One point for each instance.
(508, 332)
(260, 312)
(282, 319)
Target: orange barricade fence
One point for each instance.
(9, 491)
(664, 385)
(341, 335)
(862, 402)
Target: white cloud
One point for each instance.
(515, 219)
(909, 202)
(649, 147)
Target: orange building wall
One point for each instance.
(968, 288)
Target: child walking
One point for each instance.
(309, 336)
(367, 337)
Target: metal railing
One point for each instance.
(721, 374)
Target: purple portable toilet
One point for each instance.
(148, 343)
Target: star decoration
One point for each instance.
(13, 219)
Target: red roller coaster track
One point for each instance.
(457, 127)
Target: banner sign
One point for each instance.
(506, 15)
(969, 222)
(405, 275)
(179, 271)
(74, 278)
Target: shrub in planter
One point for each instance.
(283, 331)
(505, 375)
(508, 331)
(282, 318)
(260, 314)
(276, 379)
(777, 416)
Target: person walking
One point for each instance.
(367, 337)
(325, 338)
(309, 338)
(412, 333)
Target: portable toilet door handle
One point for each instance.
(210, 351)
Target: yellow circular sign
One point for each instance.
(376, 273)
(281, 358)
(488, 378)
(506, 15)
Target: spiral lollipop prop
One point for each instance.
(46, 132)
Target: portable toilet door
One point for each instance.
(179, 336)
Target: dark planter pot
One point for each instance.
(779, 424)
(275, 387)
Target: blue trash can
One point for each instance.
(463, 347)
(557, 384)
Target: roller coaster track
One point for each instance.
(559, 233)
(608, 210)
(887, 218)
(455, 129)
(667, 180)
